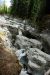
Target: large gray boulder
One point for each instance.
(37, 61)
(24, 42)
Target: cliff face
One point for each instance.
(9, 64)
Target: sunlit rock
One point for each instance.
(24, 42)
(37, 61)
(5, 35)
(2, 20)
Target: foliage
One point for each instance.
(32, 9)
(27, 8)
(38, 10)
(20, 7)
(3, 9)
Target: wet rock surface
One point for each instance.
(31, 48)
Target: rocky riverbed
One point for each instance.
(31, 48)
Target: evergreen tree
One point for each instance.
(20, 7)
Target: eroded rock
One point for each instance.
(9, 64)
(24, 42)
(38, 61)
